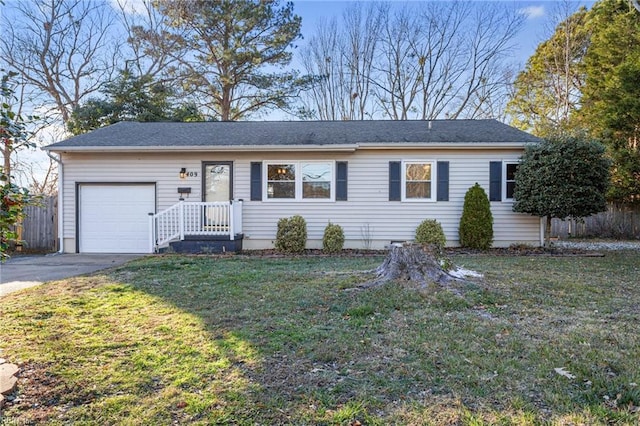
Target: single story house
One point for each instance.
(137, 187)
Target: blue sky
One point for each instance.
(538, 14)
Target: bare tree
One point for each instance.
(342, 57)
(421, 60)
(444, 59)
(63, 48)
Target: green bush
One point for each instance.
(476, 224)
(292, 234)
(430, 232)
(333, 238)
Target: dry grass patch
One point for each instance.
(206, 340)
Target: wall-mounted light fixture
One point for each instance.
(183, 173)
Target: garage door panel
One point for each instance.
(114, 218)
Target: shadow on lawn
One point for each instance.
(288, 346)
(272, 322)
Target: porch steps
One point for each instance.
(205, 244)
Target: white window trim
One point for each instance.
(504, 180)
(298, 182)
(434, 180)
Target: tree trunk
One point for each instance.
(411, 262)
(547, 232)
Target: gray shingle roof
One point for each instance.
(169, 135)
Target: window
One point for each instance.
(502, 180)
(316, 180)
(281, 181)
(310, 180)
(419, 181)
(509, 179)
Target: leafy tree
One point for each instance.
(13, 136)
(476, 223)
(611, 96)
(228, 51)
(547, 92)
(560, 178)
(131, 98)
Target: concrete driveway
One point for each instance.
(27, 271)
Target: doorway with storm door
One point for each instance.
(218, 188)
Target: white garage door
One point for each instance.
(114, 218)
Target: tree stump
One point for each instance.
(411, 262)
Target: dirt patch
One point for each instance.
(41, 395)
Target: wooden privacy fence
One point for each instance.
(39, 228)
(619, 221)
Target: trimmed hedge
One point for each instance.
(333, 238)
(292, 234)
(430, 232)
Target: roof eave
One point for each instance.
(448, 145)
(297, 148)
(209, 148)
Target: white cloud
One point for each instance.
(533, 12)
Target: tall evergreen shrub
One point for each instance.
(476, 223)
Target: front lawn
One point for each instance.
(251, 340)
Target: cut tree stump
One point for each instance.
(412, 262)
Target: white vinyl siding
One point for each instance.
(368, 192)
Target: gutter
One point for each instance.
(444, 145)
(297, 148)
(216, 148)
(60, 200)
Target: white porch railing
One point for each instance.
(195, 218)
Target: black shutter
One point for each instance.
(443, 181)
(495, 181)
(341, 181)
(395, 181)
(256, 181)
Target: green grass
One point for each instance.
(250, 340)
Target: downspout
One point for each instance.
(60, 200)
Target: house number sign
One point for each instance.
(192, 174)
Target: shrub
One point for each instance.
(292, 234)
(476, 224)
(430, 232)
(333, 238)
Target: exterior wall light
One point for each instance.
(183, 173)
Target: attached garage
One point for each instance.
(114, 218)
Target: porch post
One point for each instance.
(237, 219)
(181, 219)
(232, 219)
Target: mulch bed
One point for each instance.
(453, 251)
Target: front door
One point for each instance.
(218, 187)
(218, 180)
